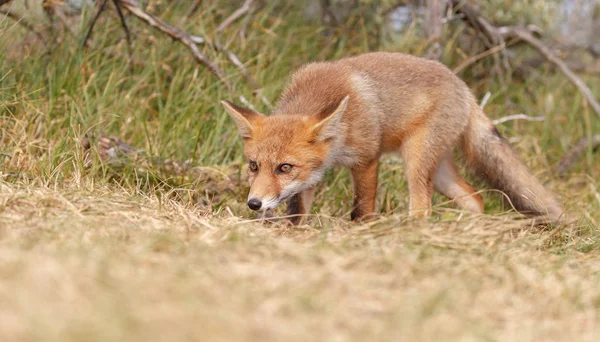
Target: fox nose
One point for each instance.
(254, 203)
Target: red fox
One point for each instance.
(351, 111)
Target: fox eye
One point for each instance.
(284, 168)
(253, 166)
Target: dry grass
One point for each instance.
(106, 264)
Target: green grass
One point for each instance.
(136, 253)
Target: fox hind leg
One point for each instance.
(449, 183)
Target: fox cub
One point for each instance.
(351, 111)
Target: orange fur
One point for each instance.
(351, 111)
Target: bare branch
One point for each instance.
(573, 64)
(243, 29)
(238, 63)
(127, 35)
(569, 159)
(177, 34)
(194, 7)
(489, 34)
(21, 21)
(477, 57)
(498, 35)
(235, 15)
(524, 35)
(101, 9)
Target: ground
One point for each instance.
(105, 264)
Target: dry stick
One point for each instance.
(235, 15)
(93, 23)
(243, 29)
(21, 21)
(518, 117)
(246, 7)
(527, 37)
(478, 22)
(237, 62)
(474, 59)
(127, 35)
(485, 99)
(574, 65)
(177, 34)
(194, 7)
(575, 153)
(490, 37)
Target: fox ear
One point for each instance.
(327, 128)
(243, 118)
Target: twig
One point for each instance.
(194, 7)
(498, 35)
(477, 57)
(127, 35)
(485, 99)
(490, 36)
(569, 158)
(235, 15)
(177, 34)
(243, 29)
(526, 36)
(93, 23)
(185, 38)
(21, 21)
(518, 117)
(238, 63)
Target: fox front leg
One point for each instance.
(364, 179)
(299, 205)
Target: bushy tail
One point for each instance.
(493, 159)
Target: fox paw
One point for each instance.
(367, 218)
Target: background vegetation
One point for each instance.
(159, 245)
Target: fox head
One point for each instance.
(286, 154)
